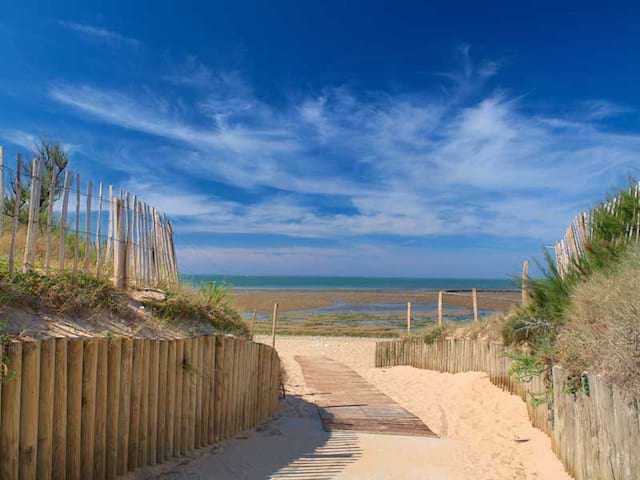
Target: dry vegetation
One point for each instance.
(602, 331)
(83, 297)
(207, 303)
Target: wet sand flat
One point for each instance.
(293, 300)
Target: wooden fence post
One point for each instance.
(46, 407)
(74, 408)
(409, 317)
(440, 308)
(99, 231)
(171, 397)
(119, 246)
(253, 323)
(101, 409)
(33, 226)
(63, 220)
(474, 295)
(16, 213)
(10, 431)
(88, 406)
(219, 389)
(29, 400)
(525, 278)
(52, 189)
(76, 238)
(87, 233)
(273, 325)
(59, 456)
(110, 227)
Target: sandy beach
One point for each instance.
(484, 433)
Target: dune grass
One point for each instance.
(602, 329)
(60, 292)
(208, 303)
(590, 307)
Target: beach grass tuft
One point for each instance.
(208, 303)
(61, 292)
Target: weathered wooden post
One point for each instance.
(253, 323)
(119, 246)
(16, 212)
(52, 185)
(525, 278)
(63, 220)
(440, 308)
(474, 296)
(409, 317)
(273, 325)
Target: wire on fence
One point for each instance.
(148, 257)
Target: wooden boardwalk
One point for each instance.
(346, 401)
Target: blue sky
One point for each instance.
(348, 138)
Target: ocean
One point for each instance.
(260, 282)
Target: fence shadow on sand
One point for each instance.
(293, 446)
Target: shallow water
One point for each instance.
(369, 313)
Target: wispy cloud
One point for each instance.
(414, 163)
(28, 140)
(19, 137)
(102, 34)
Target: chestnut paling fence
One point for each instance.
(594, 427)
(97, 231)
(99, 408)
(577, 236)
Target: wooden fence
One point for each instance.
(580, 231)
(97, 408)
(595, 428)
(131, 242)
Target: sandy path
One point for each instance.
(485, 433)
(485, 427)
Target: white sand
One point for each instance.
(482, 423)
(485, 433)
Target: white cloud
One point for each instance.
(408, 164)
(28, 140)
(102, 34)
(19, 137)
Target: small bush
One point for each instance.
(434, 334)
(208, 303)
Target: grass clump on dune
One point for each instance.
(60, 293)
(602, 329)
(590, 307)
(208, 303)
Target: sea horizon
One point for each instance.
(320, 282)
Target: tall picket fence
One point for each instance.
(595, 431)
(95, 230)
(577, 236)
(97, 408)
